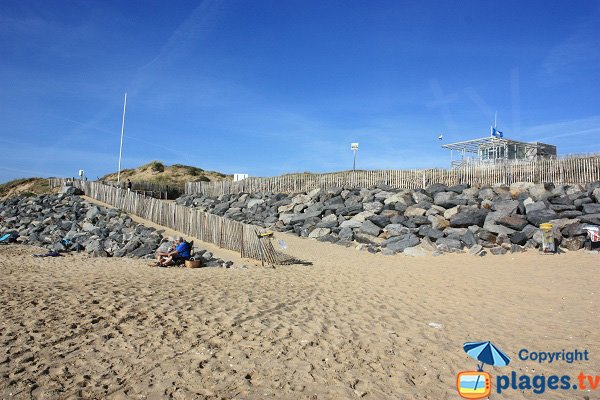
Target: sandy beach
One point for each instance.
(350, 325)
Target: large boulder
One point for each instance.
(404, 243)
(396, 230)
(438, 222)
(445, 199)
(370, 228)
(591, 208)
(468, 218)
(515, 222)
(540, 216)
(319, 232)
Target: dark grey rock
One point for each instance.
(591, 208)
(436, 188)
(379, 220)
(445, 199)
(468, 218)
(519, 238)
(346, 234)
(406, 241)
(541, 216)
(428, 231)
(370, 228)
(513, 222)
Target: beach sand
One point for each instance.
(351, 325)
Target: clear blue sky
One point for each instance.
(269, 87)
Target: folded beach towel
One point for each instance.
(49, 254)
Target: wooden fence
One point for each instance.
(223, 232)
(565, 170)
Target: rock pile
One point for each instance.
(437, 219)
(66, 222)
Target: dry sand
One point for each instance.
(352, 324)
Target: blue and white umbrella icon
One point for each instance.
(486, 353)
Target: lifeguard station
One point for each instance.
(496, 149)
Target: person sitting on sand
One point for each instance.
(181, 253)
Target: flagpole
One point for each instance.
(121, 146)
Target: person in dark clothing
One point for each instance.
(129, 185)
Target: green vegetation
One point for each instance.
(155, 166)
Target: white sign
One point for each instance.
(354, 146)
(239, 177)
(81, 172)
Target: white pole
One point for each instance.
(121, 146)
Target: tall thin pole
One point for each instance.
(354, 163)
(121, 146)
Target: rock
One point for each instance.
(286, 218)
(370, 228)
(513, 222)
(519, 238)
(575, 229)
(469, 239)
(593, 219)
(451, 244)
(445, 199)
(362, 216)
(318, 232)
(351, 224)
(540, 216)
(414, 211)
(93, 213)
(505, 207)
(379, 220)
(476, 249)
(406, 242)
(538, 205)
(374, 207)
(438, 222)
(591, 208)
(436, 188)
(71, 191)
(346, 234)
(498, 250)
(573, 244)
(255, 202)
(451, 212)
(396, 230)
(458, 188)
(428, 231)
(468, 218)
(421, 197)
(402, 198)
(302, 217)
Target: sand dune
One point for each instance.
(351, 325)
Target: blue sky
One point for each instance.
(270, 87)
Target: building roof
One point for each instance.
(475, 145)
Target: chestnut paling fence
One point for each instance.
(564, 170)
(210, 228)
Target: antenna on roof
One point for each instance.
(493, 131)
